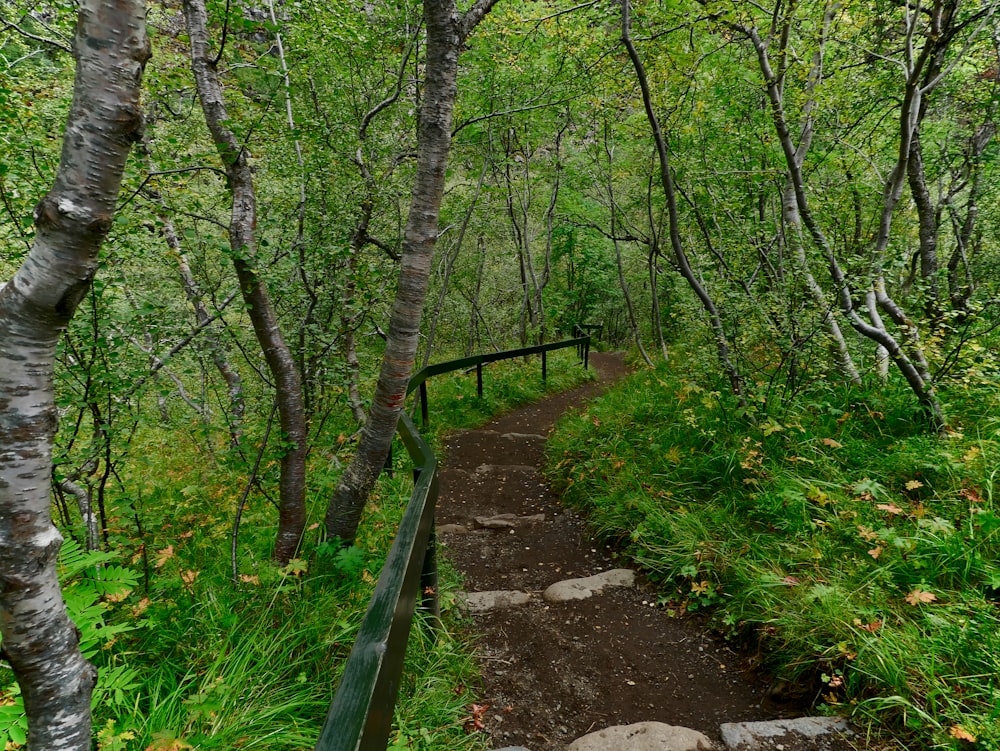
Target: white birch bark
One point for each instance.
(72, 220)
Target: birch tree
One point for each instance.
(447, 30)
(71, 221)
(243, 245)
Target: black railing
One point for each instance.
(360, 717)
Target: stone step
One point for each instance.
(798, 734)
(563, 591)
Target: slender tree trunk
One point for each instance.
(633, 324)
(960, 281)
(105, 119)
(927, 216)
(446, 31)
(666, 178)
(243, 244)
(196, 298)
(793, 240)
(450, 263)
(473, 337)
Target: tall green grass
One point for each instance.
(254, 665)
(857, 553)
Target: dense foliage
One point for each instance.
(793, 221)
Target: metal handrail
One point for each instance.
(419, 379)
(360, 716)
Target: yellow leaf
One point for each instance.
(918, 596)
(914, 484)
(875, 552)
(891, 508)
(248, 579)
(832, 443)
(957, 731)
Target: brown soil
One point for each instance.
(553, 673)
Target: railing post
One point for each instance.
(387, 467)
(430, 600)
(424, 416)
(586, 353)
(544, 366)
(479, 380)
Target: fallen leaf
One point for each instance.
(957, 731)
(162, 556)
(918, 596)
(475, 721)
(189, 576)
(869, 627)
(914, 484)
(875, 552)
(700, 588)
(890, 508)
(832, 443)
(790, 581)
(249, 579)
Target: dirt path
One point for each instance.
(556, 671)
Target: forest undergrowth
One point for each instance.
(192, 655)
(852, 550)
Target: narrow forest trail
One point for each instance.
(560, 665)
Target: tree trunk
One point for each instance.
(450, 263)
(446, 31)
(243, 245)
(666, 178)
(39, 640)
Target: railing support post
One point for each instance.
(586, 353)
(430, 600)
(424, 415)
(479, 380)
(544, 366)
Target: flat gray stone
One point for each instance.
(523, 436)
(643, 736)
(491, 469)
(581, 589)
(507, 521)
(481, 602)
(455, 529)
(776, 734)
(511, 748)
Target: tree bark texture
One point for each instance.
(446, 31)
(263, 318)
(71, 221)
